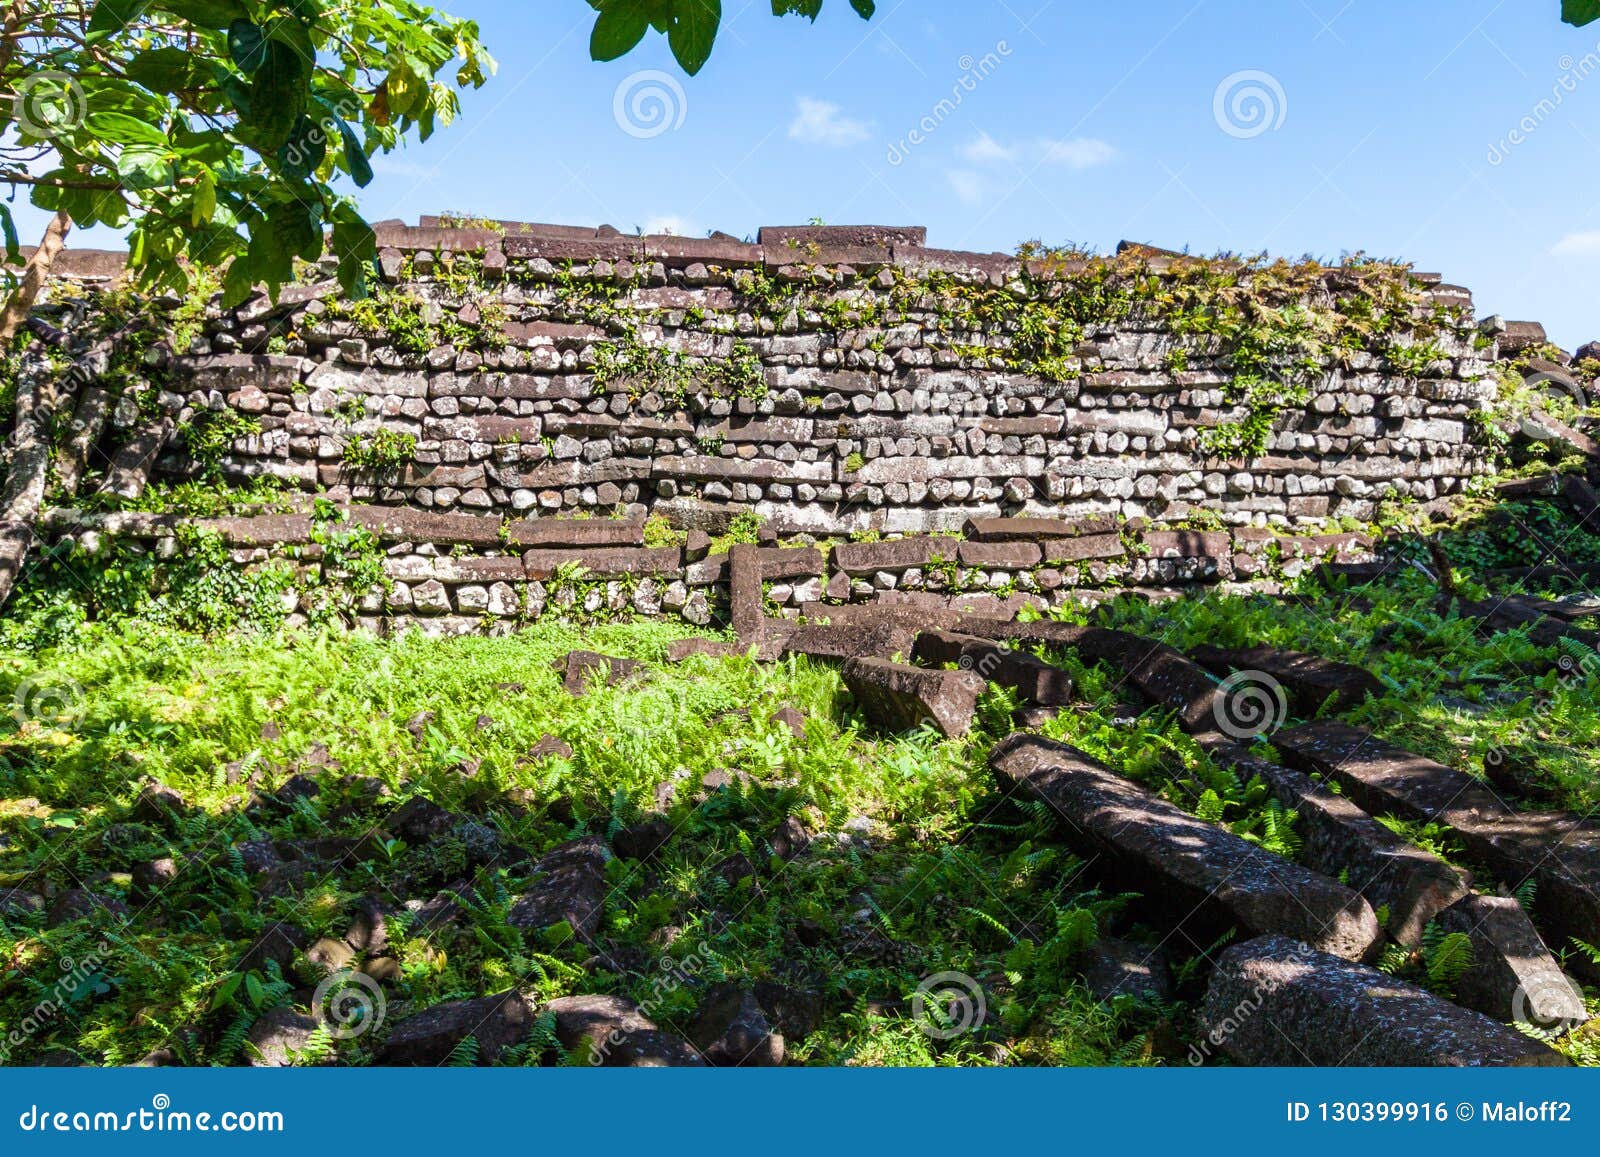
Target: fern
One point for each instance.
(1446, 957)
(465, 1054)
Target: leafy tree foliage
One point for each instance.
(215, 129)
(1580, 12)
(690, 26)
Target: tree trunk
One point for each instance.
(37, 404)
(34, 276)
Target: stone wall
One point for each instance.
(823, 378)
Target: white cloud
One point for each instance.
(968, 186)
(819, 122)
(1577, 245)
(985, 148)
(1074, 152)
(1078, 153)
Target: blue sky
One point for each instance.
(1388, 128)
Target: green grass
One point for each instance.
(918, 867)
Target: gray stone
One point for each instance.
(900, 698)
(429, 1037)
(1205, 877)
(1275, 1001)
(614, 1032)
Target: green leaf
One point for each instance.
(864, 8)
(694, 32)
(277, 97)
(164, 70)
(9, 228)
(122, 129)
(810, 9)
(247, 44)
(618, 30)
(237, 283)
(355, 158)
(1580, 12)
(145, 167)
(114, 15)
(305, 149)
(206, 13)
(226, 989)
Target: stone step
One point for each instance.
(1557, 849)
(1310, 680)
(1513, 977)
(1342, 841)
(1276, 1001)
(1207, 878)
(897, 698)
(1036, 681)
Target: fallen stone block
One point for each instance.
(614, 1032)
(883, 638)
(731, 1030)
(1513, 977)
(429, 1037)
(1311, 681)
(1113, 968)
(745, 590)
(1205, 877)
(1035, 681)
(899, 698)
(1410, 884)
(277, 1035)
(569, 886)
(1559, 850)
(1275, 1001)
(581, 669)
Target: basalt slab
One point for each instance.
(569, 887)
(431, 1036)
(900, 698)
(578, 532)
(1412, 885)
(1558, 849)
(1276, 1001)
(1203, 877)
(1036, 681)
(1513, 977)
(1310, 680)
